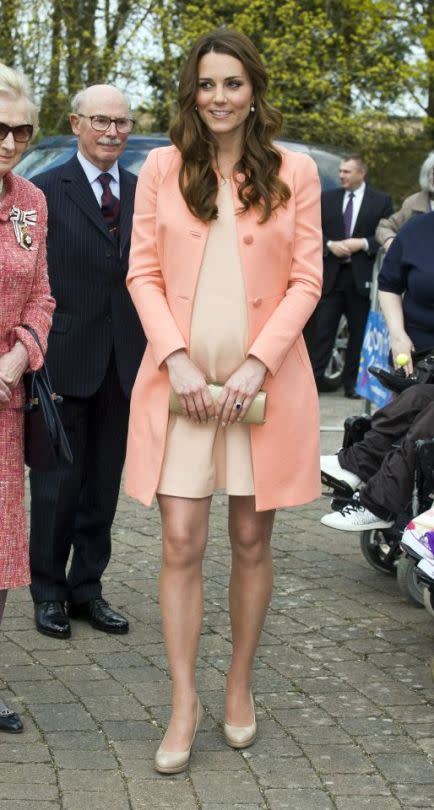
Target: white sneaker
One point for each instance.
(355, 518)
(426, 567)
(332, 472)
(418, 536)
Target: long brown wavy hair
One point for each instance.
(260, 161)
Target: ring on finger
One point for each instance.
(238, 405)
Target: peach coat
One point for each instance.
(281, 262)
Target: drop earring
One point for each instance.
(252, 107)
(195, 107)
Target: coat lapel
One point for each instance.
(78, 189)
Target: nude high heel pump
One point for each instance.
(241, 736)
(176, 761)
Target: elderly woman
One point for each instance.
(25, 299)
(419, 203)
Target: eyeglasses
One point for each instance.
(21, 133)
(102, 122)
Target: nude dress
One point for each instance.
(201, 458)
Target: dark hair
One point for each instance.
(260, 161)
(361, 163)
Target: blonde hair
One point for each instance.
(15, 84)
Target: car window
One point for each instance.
(37, 160)
(134, 160)
(328, 167)
(40, 157)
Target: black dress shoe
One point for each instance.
(51, 619)
(100, 615)
(350, 393)
(10, 721)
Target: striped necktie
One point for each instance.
(110, 205)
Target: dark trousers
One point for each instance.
(73, 507)
(343, 299)
(389, 471)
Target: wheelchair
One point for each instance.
(381, 547)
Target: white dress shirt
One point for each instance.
(357, 201)
(92, 173)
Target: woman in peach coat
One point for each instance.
(225, 270)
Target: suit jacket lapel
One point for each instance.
(78, 189)
(364, 207)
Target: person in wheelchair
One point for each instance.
(377, 473)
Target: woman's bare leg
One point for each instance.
(185, 532)
(249, 596)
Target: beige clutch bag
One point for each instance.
(254, 416)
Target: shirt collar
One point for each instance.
(358, 192)
(92, 172)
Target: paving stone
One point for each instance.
(361, 802)
(62, 716)
(72, 760)
(236, 786)
(162, 793)
(411, 768)
(338, 759)
(100, 780)
(298, 800)
(78, 800)
(342, 682)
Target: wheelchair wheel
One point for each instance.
(408, 583)
(428, 600)
(381, 550)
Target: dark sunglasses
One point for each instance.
(21, 134)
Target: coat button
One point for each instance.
(108, 318)
(257, 302)
(248, 239)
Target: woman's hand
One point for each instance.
(401, 344)
(13, 365)
(190, 386)
(241, 388)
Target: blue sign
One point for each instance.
(375, 352)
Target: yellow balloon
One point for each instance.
(402, 359)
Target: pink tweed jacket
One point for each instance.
(24, 288)
(24, 298)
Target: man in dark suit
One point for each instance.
(94, 351)
(350, 216)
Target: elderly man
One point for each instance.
(350, 216)
(94, 351)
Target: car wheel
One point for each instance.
(333, 373)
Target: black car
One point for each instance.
(54, 151)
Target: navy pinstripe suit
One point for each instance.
(94, 351)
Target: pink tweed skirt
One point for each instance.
(14, 549)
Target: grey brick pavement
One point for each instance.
(342, 682)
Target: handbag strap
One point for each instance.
(35, 337)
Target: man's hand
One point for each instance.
(339, 249)
(354, 244)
